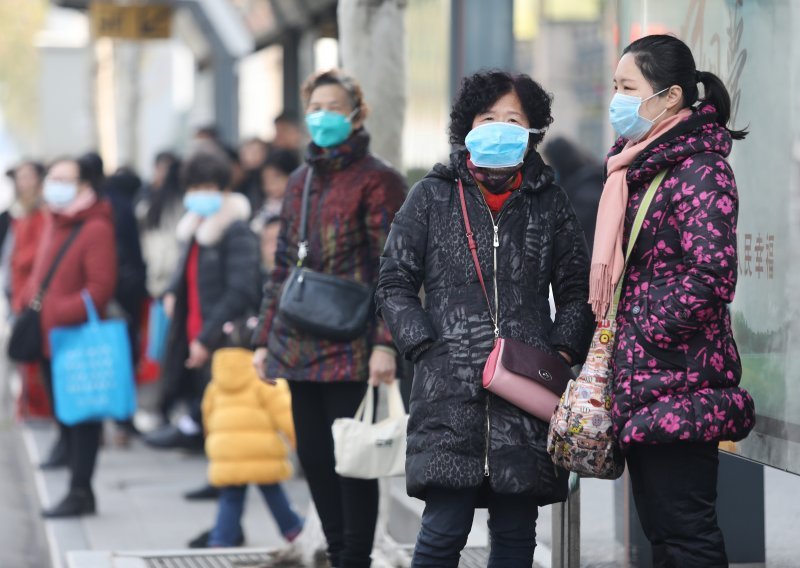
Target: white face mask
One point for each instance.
(625, 118)
(59, 194)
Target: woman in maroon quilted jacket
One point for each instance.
(352, 201)
(676, 365)
(90, 263)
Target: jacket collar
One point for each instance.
(698, 133)
(536, 175)
(208, 231)
(339, 157)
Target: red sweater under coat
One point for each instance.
(27, 237)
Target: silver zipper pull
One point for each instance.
(496, 236)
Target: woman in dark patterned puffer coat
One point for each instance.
(468, 447)
(676, 365)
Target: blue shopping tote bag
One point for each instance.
(92, 369)
(157, 331)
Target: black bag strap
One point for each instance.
(302, 246)
(36, 303)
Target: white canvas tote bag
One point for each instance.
(368, 451)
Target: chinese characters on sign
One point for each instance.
(146, 21)
(757, 259)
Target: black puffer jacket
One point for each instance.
(228, 277)
(541, 243)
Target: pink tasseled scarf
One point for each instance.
(608, 260)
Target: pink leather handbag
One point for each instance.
(527, 377)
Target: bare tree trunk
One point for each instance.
(128, 61)
(372, 43)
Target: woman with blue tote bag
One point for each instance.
(78, 242)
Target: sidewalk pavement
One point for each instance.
(140, 505)
(141, 510)
(22, 540)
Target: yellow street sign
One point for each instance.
(146, 21)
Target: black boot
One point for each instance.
(201, 540)
(78, 502)
(205, 493)
(59, 455)
(170, 437)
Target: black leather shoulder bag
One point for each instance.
(323, 305)
(25, 343)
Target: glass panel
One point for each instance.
(427, 114)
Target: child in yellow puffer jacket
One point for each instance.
(249, 429)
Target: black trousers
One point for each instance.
(348, 508)
(675, 490)
(82, 441)
(188, 387)
(447, 522)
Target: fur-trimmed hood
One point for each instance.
(208, 231)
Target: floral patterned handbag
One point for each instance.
(581, 437)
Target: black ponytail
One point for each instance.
(664, 60)
(717, 94)
(170, 193)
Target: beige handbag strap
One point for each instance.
(366, 410)
(635, 230)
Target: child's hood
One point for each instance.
(232, 369)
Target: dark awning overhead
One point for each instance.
(75, 4)
(269, 20)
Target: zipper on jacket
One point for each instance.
(496, 318)
(495, 246)
(488, 430)
(494, 280)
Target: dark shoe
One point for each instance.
(205, 493)
(59, 456)
(201, 540)
(170, 437)
(78, 502)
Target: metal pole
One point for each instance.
(225, 74)
(292, 72)
(226, 96)
(474, 18)
(567, 528)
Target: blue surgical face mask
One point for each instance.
(625, 118)
(498, 144)
(59, 194)
(328, 128)
(203, 202)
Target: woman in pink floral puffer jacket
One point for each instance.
(676, 366)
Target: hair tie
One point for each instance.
(697, 77)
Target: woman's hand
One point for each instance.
(198, 355)
(382, 368)
(260, 362)
(169, 304)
